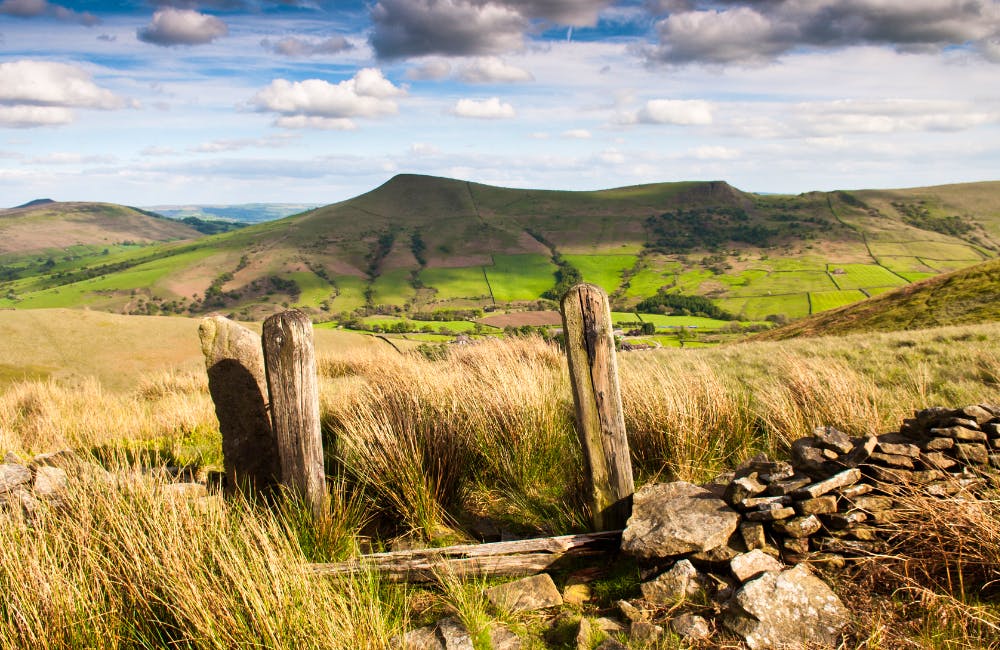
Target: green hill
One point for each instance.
(420, 243)
(963, 297)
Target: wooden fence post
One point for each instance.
(235, 366)
(290, 363)
(593, 371)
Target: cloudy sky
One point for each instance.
(148, 102)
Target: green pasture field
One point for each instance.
(781, 282)
(453, 325)
(805, 263)
(647, 282)
(874, 291)
(904, 264)
(314, 288)
(946, 265)
(915, 276)
(603, 270)
(862, 276)
(795, 305)
(823, 300)
(689, 282)
(704, 324)
(456, 283)
(520, 277)
(351, 293)
(928, 250)
(89, 291)
(747, 278)
(393, 288)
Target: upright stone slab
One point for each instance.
(235, 363)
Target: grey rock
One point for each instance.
(721, 554)
(832, 439)
(611, 644)
(842, 479)
(753, 534)
(788, 609)
(809, 458)
(50, 482)
(454, 635)
(939, 444)
(10, 458)
(819, 505)
(891, 460)
(969, 453)
(526, 594)
(644, 633)
(787, 486)
(584, 634)
(11, 476)
(863, 448)
(856, 490)
(771, 515)
(670, 519)
(798, 526)
(691, 627)
(743, 488)
(979, 413)
(63, 458)
(751, 564)
(631, 612)
(503, 638)
(681, 582)
(422, 638)
(960, 434)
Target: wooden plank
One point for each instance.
(593, 369)
(290, 364)
(235, 365)
(515, 558)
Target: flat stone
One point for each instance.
(939, 444)
(454, 635)
(764, 503)
(743, 488)
(526, 594)
(63, 458)
(937, 460)
(611, 644)
(691, 627)
(631, 612)
(753, 563)
(891, 460)
(842, 479)
(787, 486)
(970, 453)
(819, 505)
(809, 458)
(681, 582)
(898, 449)
(422, 638)
(576, 594)
(752, 533)
(960, 434)
(942, 488)
(863, 448)
(12, 475)
(884, 516)
(584, 634)
(832, 439)
(771, 515)
(962, 422)
(11, 458)
(644, 633)
(50, 482)
(721, 554)
(789, 609)
(503, 638)
(670, 519)
(853, 547)
(795, 546)
(978, 413)
(856, 490)
(798, 526)
(839, 520)
(826, 561)
(890, 476)
(872, 503)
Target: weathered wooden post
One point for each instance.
(593, 371)
(290, 364)
(236, 382)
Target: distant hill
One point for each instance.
(963, 297)
(421, 243)
(31, 204)
(47, 225)
(243, 213)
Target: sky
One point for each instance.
(149, 102)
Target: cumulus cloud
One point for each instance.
(756, 31)
(493, 70)
(299, 47)
(888, 116)
(429, 71)
(319, 104)
(172, 26)
(486, 109)
(38, 8)
(577, 134)
(404, 28)
(70, 158)
(715, 153)
(683, 112)
(43, 93)
(219, 146)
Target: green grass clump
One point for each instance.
(520, 277)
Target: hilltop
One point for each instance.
(420, 243)
(963, 297)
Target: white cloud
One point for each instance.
(315, 103)
(158, 151)
(404, 28)
(219, 146)
(888, 116)
(424, 149)
(715, 153)
(430, 71)
(577, 134)
(70, 158)
(36, 8)
(486, 109)
(683, 112)
(41, 93)
(299, 47)
(493, 70)
(172, 26)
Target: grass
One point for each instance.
(420, 448)
(520, 277)
(456, 283)
(350, 293)
(700, 322)
(863, 276)
(603, 270)
(792, 306)
(392, 288)
(823, 300)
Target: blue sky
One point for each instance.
(232, 101)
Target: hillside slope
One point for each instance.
(420, 243)
(963, 297)
(47, 225)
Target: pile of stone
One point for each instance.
(26, 486)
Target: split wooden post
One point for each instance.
(290, 365)
(593, 371)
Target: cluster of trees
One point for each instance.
(681, 305)
(918, 216)
(705, 228)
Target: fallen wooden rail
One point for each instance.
(516, 558)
